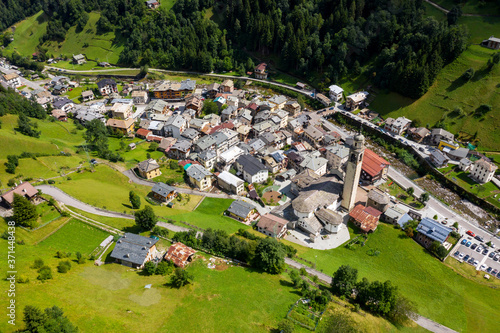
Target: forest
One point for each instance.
(398, 46)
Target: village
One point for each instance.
(293, 173)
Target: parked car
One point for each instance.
(470, 233)
(473, 247)
(461, 255)
(466, 258)
(494, 272)
(479, 238)
(464, 241)
(479, 249)
(483, 267)
(468, 243)
(491, 255)
(488, 270)
(496, 258)
(475, 263)
(485, 251)
(498, 275)
(456, 254)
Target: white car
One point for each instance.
(461, 255)
(483, 267)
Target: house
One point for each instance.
(190, 134)
(212, 90)
(79, 59)
(449, 145)
(457, 154)
(337, 156)
(271, 164)
(166, 144)
(396, 216)
(336, 93)
(439, 159)
(121, 111)
(103, 64)
(465, 164)
(373, 167)
(149, 169)
(174, 126)
(398, 125)
(253, 171)
(140, 96)
(199, 177)
(260, 71)
(242, 211)
(492, 43)
(12, 79)
(378, 200)
(429, 230)
(229, 113)
(300, 85)
(124, 126)
(143, 133)
(227, 158)
(180, 150)
(356, 100)
(134, 250)
(107, 87)
(179, 254)
(227, 86)
(163, 192)
(278, 101)
(87, 95)
(156, 106)
(314, 135)
(366, 218)
(152, 4)
(174, 90)
(24, 189)
(323, 99)
(220, 101)
(207, 158)
(230, 183)
(317, 164)
(221, 142)
(332, 221)
(59, 115)
(194, 102)
(272, 226)
(292, 107)
(205, 143)
(483, 170)
(59, 89)
(63, 103)
(438, 134)
(418, 134)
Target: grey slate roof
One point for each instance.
(219, 138)
(148, 165)
(182, 145)
(433, 229)
(205, 142)
(188, 84)
(256, 144)
(250, 164)
(175, 121)
(61, 102)
(162, 189)
(133, 248)
(207, 155)
(197, 172)
(190, 133)
(105, 82)
(240, 208)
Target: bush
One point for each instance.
(64, 266)
(22, 279)
(164, 268)
(44, 273)
(149, 268)
(38, 263)
(51, 181)
(62, 254)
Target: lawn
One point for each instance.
(119, 223)
(167, 4)
(450, 91)
(470, 272)
(75, 236)
(47, 213)
(402, 195)
(439, 293)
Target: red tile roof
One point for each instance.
(227, 124)
(142, 132)
(366, 221)
(272, 223)
(24, 189)
(261, 67)
(372, 163)
(179, 254)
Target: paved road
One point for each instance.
(446, 11)
(34, 85)
(442, 210)
(68, 200)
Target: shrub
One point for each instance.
(38, 263)
(149, 268)
(62, 254)
(164, 268)
(51, 181)
(22, 279)
(44, 273)
(64, 266)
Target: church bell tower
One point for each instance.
(353, 172)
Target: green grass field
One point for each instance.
(75, 236)
(450, 91)
(398, 192)
(439, 293)
(28, 33)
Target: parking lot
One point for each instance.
(487, 259)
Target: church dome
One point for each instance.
(359, 137)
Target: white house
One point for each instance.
(483, 170)
(12, 79)
(253, 171)
(336, 93)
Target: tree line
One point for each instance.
(395, 41)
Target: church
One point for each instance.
(323, 202)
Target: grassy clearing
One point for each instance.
(450, 91)
(27, 34)
(472, 6)
(31, 237)
(470, 272)
(464, 181)
(47, 213)
(167, 4)
(75, 236)
(119, 223)
(442, 295)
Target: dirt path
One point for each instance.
(446, 11)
